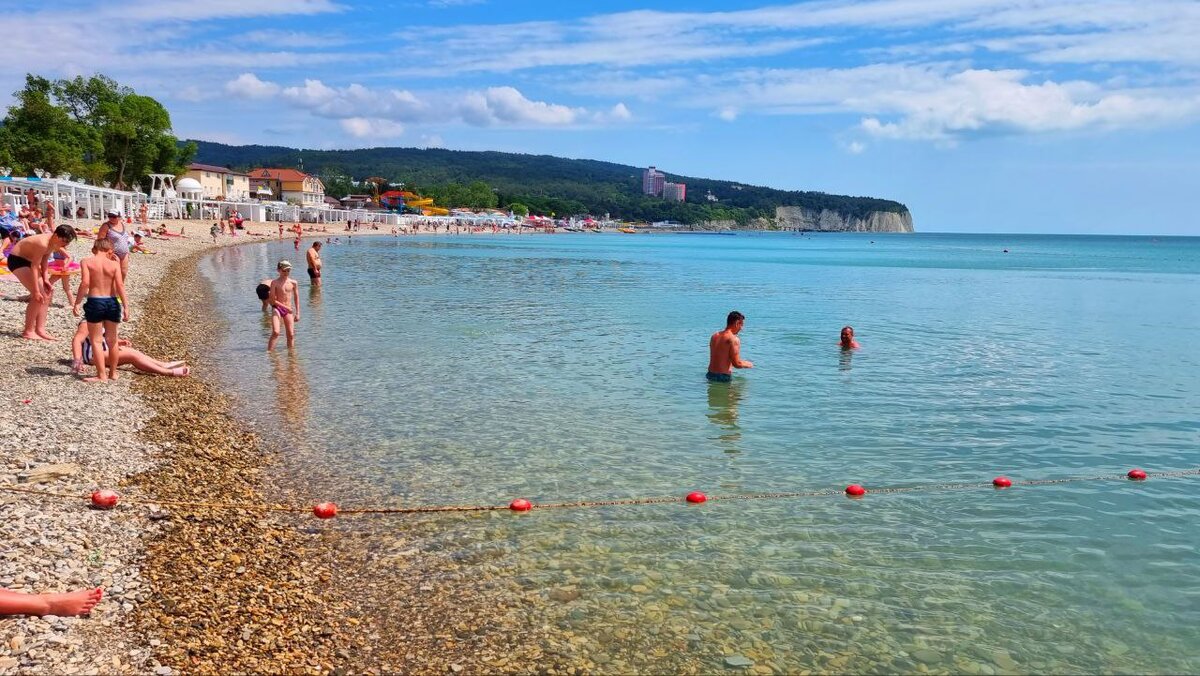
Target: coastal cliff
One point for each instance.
(827, 220)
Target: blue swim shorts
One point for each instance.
(719, 377)
(101, 309)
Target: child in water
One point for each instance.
(285, 299)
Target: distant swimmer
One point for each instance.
(847, 340)
(724, 350)
(314, 263)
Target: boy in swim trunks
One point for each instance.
(285, 299)
(104, 286)
(724, 350)
(28, 262)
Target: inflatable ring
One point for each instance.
(56, 269)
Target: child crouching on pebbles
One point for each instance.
(103, 286)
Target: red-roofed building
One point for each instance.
(289, 185)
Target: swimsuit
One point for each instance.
(120, 242)
(312, 272)
(16, 262)
(263, 291)
(101, 309)
(719, 377)
(282, 311)
(86, 350)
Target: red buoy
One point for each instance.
(696, 497)
(855, 491)
(105, 499)
(325, 510)
(520, 505)
(27, 401)
(1136, 475)
(1002, 482)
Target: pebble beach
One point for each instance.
(191, 589)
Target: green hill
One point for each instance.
(542, 182)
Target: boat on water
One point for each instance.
(627, 231)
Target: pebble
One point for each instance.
(738, 662)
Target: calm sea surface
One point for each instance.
(570, 367)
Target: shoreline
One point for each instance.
(188, 591)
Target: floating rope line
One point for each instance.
(107, 499)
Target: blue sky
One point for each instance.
(980, 115)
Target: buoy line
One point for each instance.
(107, 499)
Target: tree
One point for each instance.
(37, 134)
(92, 127)
(518, 209)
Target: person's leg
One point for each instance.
(39, 326)
(96, 335)
(30, 281)
(274, 330)
(147, 364)
(66, 285)
(111, 330)
(289, 324)
(75, 603)
(125, 267)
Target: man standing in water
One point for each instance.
(314, 263)
(724, 350)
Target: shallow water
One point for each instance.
(479, 369)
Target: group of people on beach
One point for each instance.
(33, 258)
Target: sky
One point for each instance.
(1063, 116)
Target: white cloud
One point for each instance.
(432, 141)
(191, 10)
(361, 127)
(248, 86)
(363, 110)
(728, 113)
(856, 147)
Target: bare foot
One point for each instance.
(75, 603)
(45, 336)
(175, 364)
(181, 371)
(95, 379)
(30, 336)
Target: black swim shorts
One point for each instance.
(16, 262)
(101, 309)
(314, 273)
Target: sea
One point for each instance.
(472, 370)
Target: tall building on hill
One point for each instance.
(653, 181)
(674, 192)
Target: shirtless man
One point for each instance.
(724, 350)
(314, 263)
(103, 284)
(28, 263)
(847, 340)
(285, 299)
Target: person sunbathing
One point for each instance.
(64, 605)
(83, 353)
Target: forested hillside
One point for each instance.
(543, 183)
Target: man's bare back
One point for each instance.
(724, 350)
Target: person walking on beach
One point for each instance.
(28, 261)
(285, 299)
(314, 263)
(106, 307)
(724, 350)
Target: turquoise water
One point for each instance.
(479, 369)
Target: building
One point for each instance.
(289, 185)
(356, 201)
(219, 182)
(652, 182)
(674, 192)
